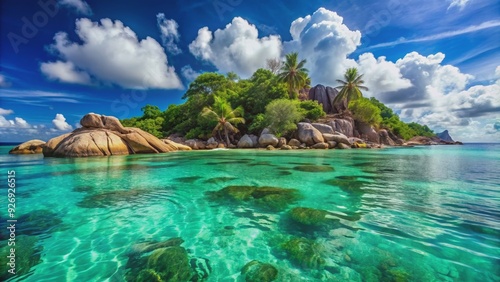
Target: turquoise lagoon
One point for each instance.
(401, 214)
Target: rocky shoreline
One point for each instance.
(105, 136)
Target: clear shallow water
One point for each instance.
(408, 214)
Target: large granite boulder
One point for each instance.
(308, 134)
(268, 139)
(324, 96)
(178, 146)
(196, 144)
(104, 136)
(338, 138)
(323, 128)
(367, 132)
(245, 142)
(385, 138)
(30, 147)
(294, 142)
(344, 126)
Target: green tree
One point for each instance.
(282, 116)
(350, 88)
(294, 74)
(311, 109)
(150, 112)
(365, 111)
(225, 116)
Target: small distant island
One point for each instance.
(276, 108)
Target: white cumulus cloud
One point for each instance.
(169, 33)
(79, 6)
(65, 72)
(60, 123)
(5, 112)
(236, 48)
(188, 73)
(111, 53)
(325, 41)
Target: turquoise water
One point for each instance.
(407, 214)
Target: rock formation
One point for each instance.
(445, 136)
(245, 142)
(324, 96)
(268, 139)
(29, 147)
(308, 134)
(104, 136)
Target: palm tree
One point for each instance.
(350, 88)
(225, 116)
(293, 73)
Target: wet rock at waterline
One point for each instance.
(29, 147)
(104, 136)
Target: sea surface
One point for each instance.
(397, 214)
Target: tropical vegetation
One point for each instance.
(222, 106)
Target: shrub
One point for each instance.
(282, 116)
(365, 111)
(311, 110)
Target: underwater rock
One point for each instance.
(314, 168)
(201, 267)
(256, 271)
(165, 261)
(187, 179)
(36, 222)
(347, 184)
(151, 246)
(27, 255)
(148, 275)
(111, 198)
(308, 216)
(396, 274)
(304, 252)
(217, 180)
(171, 264)
(269, 197)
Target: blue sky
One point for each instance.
(434, 62)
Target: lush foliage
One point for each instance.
(294, 74)
(350, 88)
(311, 110)
(364, 110)
(216, 105)
(282, 116)
(225, 116)
(151, 121)
(391, 121)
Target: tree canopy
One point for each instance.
(223, 102)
